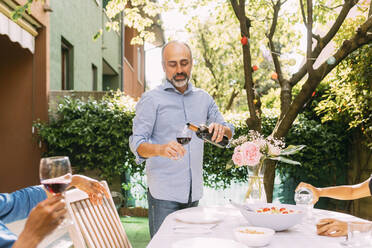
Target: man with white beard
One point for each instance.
(174, 172)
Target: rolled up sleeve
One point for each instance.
(214, 115)
(17, 205)
(143, 125)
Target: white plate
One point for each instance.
(207, 242)
(195, 217)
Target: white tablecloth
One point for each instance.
(301, 235)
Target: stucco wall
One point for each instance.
(78, 22)
(111, 47)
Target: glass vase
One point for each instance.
(256, 189)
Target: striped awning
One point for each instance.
(16, 33)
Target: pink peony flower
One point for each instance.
(251, 153)
(238, 159)
(237, 149)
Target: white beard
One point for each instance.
(180, 84)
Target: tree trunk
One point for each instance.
(231, 100)
(269, 179)
(285, 97)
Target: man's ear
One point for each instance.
(163, 65)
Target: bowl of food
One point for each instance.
(278, 217)
(253, 236)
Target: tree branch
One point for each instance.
(330, 8)
(309, 58)
(235, 6)
(233, 95)
(317, 37)
(361, 38)
(270, 36)
(324, 41)
(303, 12)
(207, 61)
(253, 121)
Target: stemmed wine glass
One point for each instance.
(56, 175)
(184, 136)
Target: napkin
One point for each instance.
(193, 228)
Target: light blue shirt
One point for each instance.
(17, 206)
(160, 114)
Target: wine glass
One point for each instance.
(304, 198)
(56, 175)
(184, 136)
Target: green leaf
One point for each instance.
(97, 35)
(229, 166)
(285, 160)
(291, 149)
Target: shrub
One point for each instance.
(94, 134)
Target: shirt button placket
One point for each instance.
(188, 153)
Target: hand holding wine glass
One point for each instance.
(55, 175)
(184, 137)
(44, 218)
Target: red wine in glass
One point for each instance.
(183, 140)
(55, 185)
(183, 136)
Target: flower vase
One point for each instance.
(256, 189)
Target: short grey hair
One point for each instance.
(171, 42)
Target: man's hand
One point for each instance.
(172, 150)
(218, 131)
(92, 187)
(312, 188)
(331, 227)
(43, 219)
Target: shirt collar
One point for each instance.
(168, 85)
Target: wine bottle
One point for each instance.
(203, 133)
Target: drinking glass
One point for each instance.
(184, 136)
(304, 199)
(56, 175)
(358, 234)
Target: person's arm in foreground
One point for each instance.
(92, 187)
(43, 219)
(345, 192)
(332, 227)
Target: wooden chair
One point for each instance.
(95, 226)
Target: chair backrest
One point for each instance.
(95, 226)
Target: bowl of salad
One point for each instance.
(278, 217)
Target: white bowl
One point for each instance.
(278, 221)
(262, 238)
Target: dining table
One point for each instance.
(227, 218)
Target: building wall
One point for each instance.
(77, 22)
(134, 82)
(23, 99)
(111, 47)
(86, 52)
